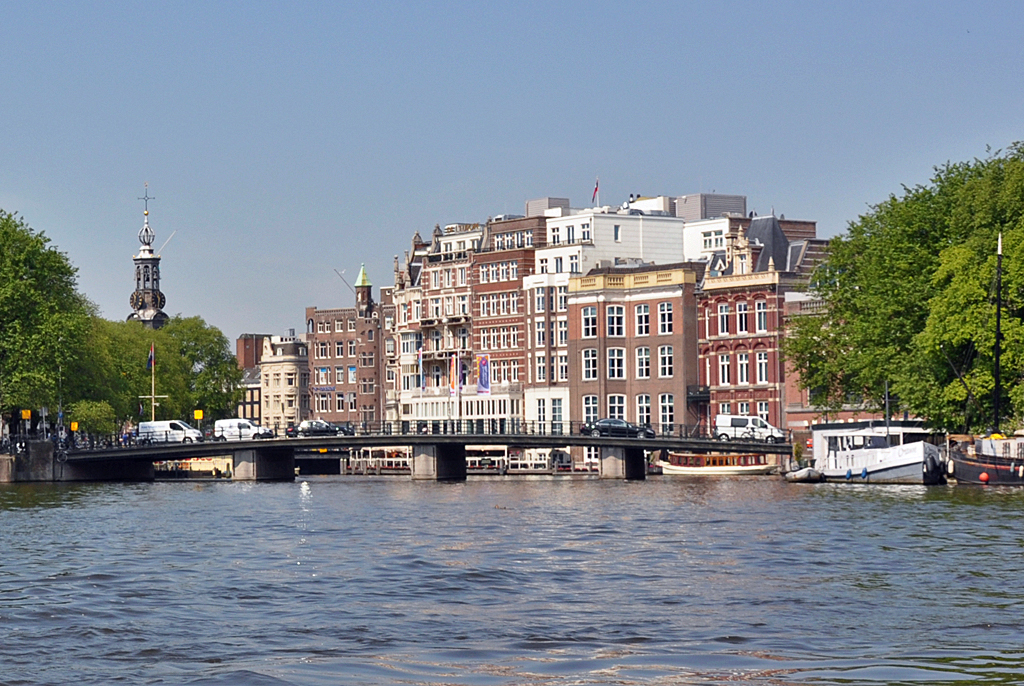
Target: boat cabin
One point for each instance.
(831, 439)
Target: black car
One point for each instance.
(316, 427)
(616, 427)
(345, 429)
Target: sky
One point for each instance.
(284, 142)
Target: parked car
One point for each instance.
(616, 427)
(316, 427)
(291, 431)
(345, 429)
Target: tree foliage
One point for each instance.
(43, 318)
(909, 299)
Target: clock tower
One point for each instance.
(147, 301)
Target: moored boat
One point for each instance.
(878, 452)
(807, 475)
(996, 460)
(692, 464)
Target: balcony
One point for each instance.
(698, 394)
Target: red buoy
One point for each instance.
(983, 477)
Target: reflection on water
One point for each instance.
(546, 580)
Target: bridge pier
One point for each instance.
(39, 463)
(623, 463)
(439, 462)
(273, 463)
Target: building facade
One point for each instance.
(349, 349)
(742, 304)
(284, 377)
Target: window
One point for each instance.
(664, 318)
(543, 265)
(742, 368)
(744, 408)
(563, 298)
(643, 363)
(351, 348)
(558, 265)
(589, 364)
(563, 332)
(513, 270)
(570, 234)
(366, 386)
(617, 406)
(541, 298)
(483, 273)
(665, 361)
(556, 415)
(616, 363)
(723, 370)
(539, 339)
(462, 276)
(762, 409)
(723, 319)
(352, 400)
(542, 410)
(563, 367)
(762, 367)
(542, 368)
(643, 320)
(643, 409)
(322, 350)
(323, 402)
(667, 405)
(585, 232)
(555, 235)
(617, 233)
(340, 403)
(590, 408)
(339, 376)
(761, 315)
(741, 318)
(590, 322)
(574, 264)
(616, 320)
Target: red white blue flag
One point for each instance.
(596, 184)
(152, 357)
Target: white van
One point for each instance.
(173, 431)
(239, 430)
(740, 427)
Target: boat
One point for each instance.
(895, 452)
(995, 460)
(807, 475)
(694, 464)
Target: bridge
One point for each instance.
(435, 456)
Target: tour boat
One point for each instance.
(877, 452)
(693, 464)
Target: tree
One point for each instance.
(908, 299)
(214, 377)
(43, 318)
(94, 417)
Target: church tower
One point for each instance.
(364, 293)
(147, 301)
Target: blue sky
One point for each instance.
(283, 141)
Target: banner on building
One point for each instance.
(453, 375)
(483, 374)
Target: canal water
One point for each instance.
(546, 580)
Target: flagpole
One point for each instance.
(152, 385)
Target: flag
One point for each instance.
(483, 374)
(423, 376)
(152, 357)
(140, 409)
(453, 373)
(594, 196)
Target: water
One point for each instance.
(548, 580)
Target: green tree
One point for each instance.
(43, 318)
(95, 417)
(214, 378)
(908, 299)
